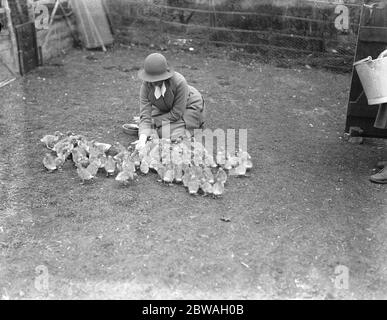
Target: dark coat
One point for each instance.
(182, 105)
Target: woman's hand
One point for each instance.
(141, 141)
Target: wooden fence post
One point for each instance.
(212, 14)
(212, 20)
(15, 50)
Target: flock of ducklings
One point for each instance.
(183, 161)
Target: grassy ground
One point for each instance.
(307, 207)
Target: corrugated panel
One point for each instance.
(92, 23)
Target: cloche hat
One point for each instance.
(156, 68)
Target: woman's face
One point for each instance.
(157, 83)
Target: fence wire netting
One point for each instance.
(284, 32)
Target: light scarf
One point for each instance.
(160, 91)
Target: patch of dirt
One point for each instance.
(306, 208)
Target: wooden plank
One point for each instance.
(24, 24)
(5, 74)
(7, 67)
(11, 34)
(4, 83)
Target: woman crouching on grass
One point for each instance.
(168, 105)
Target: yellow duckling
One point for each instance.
(240, 170)
(136, 158)
(221, 176)
(193, 185)
(208, 175)
(102, 158)
(218, 189)
(50, 140)
(110, 166)
(228, 164)
(79, 156)
(60, 160)
(198, 172)
(248, 164)
(186, 175)
(84, 174)
(128, 164)
(206, 187)
(221, 158)
(93, 168)
(178, 173)
(160, 168)
(103, 147)
(169, 174)
(63, 147)
(125, 176)
(49, 162)
(209, 161)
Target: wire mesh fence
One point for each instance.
(284, 32)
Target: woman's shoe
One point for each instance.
(380, 177)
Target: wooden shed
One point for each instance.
(9, 64)
(32, 32)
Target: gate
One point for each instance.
(27, 46)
